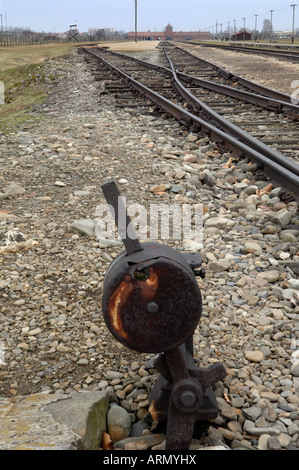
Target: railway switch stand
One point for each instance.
(152, 304)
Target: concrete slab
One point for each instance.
(49, 422)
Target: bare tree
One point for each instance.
(267, 29)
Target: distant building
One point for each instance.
(283, 34)
(168, 34)
(242, 36)
(107, 30)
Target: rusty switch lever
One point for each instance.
(121, 218)
(152, 303)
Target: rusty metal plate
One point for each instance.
(152, 306)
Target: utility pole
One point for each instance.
(244, 34)
(271, 11)
(256, 27)
(135, 20)
(293, 29)
(235, 27)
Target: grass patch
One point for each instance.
(24, 87)
(15, 56)
(27, 84)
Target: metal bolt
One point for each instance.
(188, 398)
(152, 307)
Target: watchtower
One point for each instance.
(168, 32)
(73, 33)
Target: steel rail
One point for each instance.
(263, 90)
(289, 109)
(139, 61)
(267, 102)
(288, 54)
(231, 128)
(285, 176)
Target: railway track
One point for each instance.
(258, 125)
(280, 132)
(191, 64)
(290, 56)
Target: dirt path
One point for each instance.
(131, 46)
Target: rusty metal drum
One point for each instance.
(151, 299)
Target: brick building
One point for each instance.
(242, 36)
(168, 34)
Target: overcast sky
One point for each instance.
(154, 15)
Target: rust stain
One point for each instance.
(122, 295)
(150, 285)
(119, 298)
(154, 413)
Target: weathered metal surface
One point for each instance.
(183, 395)
(153, 305)
(121, 218)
